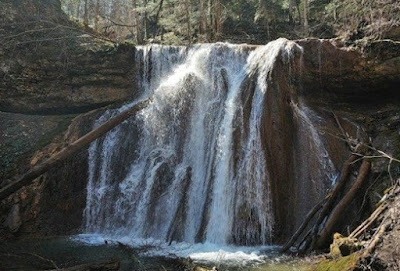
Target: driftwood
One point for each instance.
(340, 183)
(344, 202)
(344, 174)
(299, 231)
(110, 265)
(312, 239)
(326, 204)
(304, 243)
(376, 238)
(68, 151)
(368, 222)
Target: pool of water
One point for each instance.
(145, 255)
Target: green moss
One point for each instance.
(342, 264)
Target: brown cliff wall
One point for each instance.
(49, 65)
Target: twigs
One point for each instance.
(377, 237)
(375, 216)
(53, 26)
(345, 135)
(367, 191)
(368, 222)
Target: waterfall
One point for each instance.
(191, 166)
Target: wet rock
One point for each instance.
(53, 204)
(13, 221)
(333, 72)
(343, 246)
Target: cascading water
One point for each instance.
(191, 166)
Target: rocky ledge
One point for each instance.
(50, 66)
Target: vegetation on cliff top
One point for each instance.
(252, 21)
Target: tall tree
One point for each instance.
(86, 14)
(96, 16)
(186, 5)
(305, 16)
(135, 20)
(203, 17)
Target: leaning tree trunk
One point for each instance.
(305, 17)
(343, 203)
(68, 151)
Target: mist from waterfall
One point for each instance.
(191, 166)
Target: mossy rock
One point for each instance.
(343, 246)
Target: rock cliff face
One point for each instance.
(333, 72)
(50, 66)
(51, 71)
(53, 204)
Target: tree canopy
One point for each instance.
(254, 21)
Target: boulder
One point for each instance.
(343, 246)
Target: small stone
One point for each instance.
(343, 246)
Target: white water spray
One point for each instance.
(197, 173)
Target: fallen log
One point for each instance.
(299, 231)
(344, 173)
(111, 265)
(68, 151)
(331, 197)
(361, 148)
(368, 222)
(326, 232)
(376, 239)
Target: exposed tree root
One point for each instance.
(326, 232)
(376, 238)
(369, 221)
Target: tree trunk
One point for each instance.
(86, 15)
(158, 18)
(302, 227)
(188, 24)
(218, 19)
(341, 206)
(96, 16)
(305, 17)
(70, 150)
(300, 230)
(145, 24)
(361, 148)
(299, 13)
(78, 9)
(136, 17)
(203, 18)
